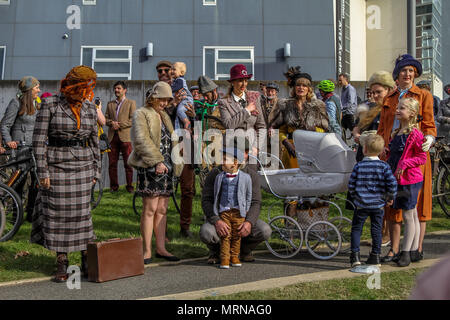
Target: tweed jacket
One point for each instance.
(244, 192)
(125, 118)
(146, 140)
(208, 196)
(234, 116)
(56, 120)
(17, 128)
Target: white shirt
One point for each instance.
(371, 158)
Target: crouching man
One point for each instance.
(253, 231)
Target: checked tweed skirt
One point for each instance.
(62, 216)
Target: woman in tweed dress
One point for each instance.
(151, 136)
(65, 144)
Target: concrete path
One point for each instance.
(192, 279)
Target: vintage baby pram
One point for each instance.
(325, 165)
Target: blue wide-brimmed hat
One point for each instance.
(235, 153)
(404, 61)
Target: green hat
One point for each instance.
(326, 86)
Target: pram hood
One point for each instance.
(323, 152)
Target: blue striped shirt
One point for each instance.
(372, 184)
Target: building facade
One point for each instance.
(124, 39)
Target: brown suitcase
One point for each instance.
(115, 259)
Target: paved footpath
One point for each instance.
(193, 279)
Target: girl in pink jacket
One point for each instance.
(405, 158)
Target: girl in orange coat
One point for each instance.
(406, 70)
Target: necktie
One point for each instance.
(243, 103)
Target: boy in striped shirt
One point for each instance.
(372, 186)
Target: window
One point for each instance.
(2, 62)
(209, 2)
(4, 2)
(217, 61)
(89, 2)
(110, 63)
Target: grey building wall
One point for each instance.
(32, 32)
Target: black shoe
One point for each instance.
(405, 259)
(168, 258)
(416, 256)
(148, 261)
(374, 259)
(186, 233)
(213, 259)
(355, 259)
(388, 258)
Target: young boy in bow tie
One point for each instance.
(232, 200)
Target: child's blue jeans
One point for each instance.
(376, 226)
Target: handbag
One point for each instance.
(103, 142)
(309, 215)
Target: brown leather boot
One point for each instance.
(61, 271)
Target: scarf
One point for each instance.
(78, 86)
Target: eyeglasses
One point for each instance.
(163, 70)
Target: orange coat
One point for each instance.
(427, 126)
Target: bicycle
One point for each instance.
(15, 185)
(13, 212)
(441, 171)
(2, 219)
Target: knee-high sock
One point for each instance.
(415, 244)
(409, 234)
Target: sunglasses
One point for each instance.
(163, 70)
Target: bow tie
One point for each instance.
(231, 175)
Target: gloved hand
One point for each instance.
(429, 140)
(290, 148)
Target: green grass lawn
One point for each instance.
(393, 286)
(115, 218)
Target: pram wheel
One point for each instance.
(287, 237)
(344, 226)
(323, 240)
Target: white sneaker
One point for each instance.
(224, 267)
(236, 264)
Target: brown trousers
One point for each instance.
(187, 184)
(230, 246)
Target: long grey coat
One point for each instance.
(17, 128)
(62, 219)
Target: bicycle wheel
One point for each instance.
(13, 211)
(286, 239)
(344, 225)
(96, 193)
(443, 189)
(2, 219)
(323, 240)
(137, 204)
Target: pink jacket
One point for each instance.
(412, 158)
